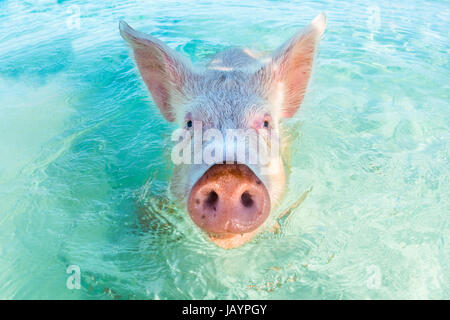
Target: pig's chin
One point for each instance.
(229, 240)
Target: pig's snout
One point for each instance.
(229, 199)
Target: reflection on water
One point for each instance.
(84, 167)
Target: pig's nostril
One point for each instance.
(246, 199)
(211, 199)
(229, 200)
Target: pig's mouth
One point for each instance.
(229, 203)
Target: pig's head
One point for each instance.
(229, 197)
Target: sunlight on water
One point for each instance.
(84, 165)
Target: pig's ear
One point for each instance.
(285, 77)
(164, 71)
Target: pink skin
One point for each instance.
(229, 199)
(230, 202)
(260, 122)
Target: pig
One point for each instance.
(238, 89)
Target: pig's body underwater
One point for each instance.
(227, 195)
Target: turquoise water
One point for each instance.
(84, 164)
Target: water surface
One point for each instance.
(84, 154)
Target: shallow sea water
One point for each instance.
(84, 165)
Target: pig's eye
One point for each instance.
(266, 124)
(189, 123)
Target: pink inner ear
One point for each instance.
(156, 76)
(296, 77)
(290, 69)
(162, 69)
